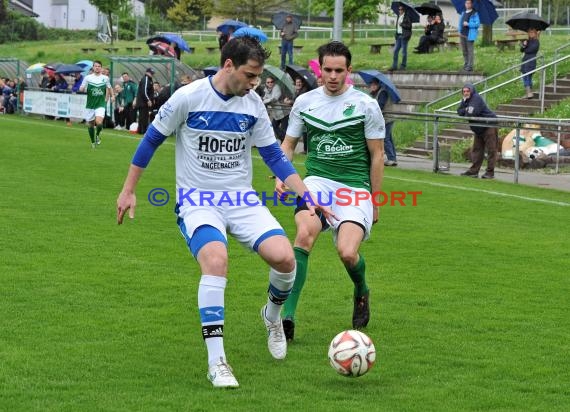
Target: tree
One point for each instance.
(108, 7)
(158, 7)
(189, 12)
(249, 10)
(3, 13)
(353, 11)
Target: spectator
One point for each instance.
(60, 84)
(432, 36)
(300, 88)
(382, 95)
(469, 29)
(119, 109)
(485, 137)
(272, 100)
(9, 99)
(530, 48)
(402, 37)
(144, 99)
(288, 34)
(129, 96)
(77, 82)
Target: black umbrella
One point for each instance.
(304, 74)
(278, 19)
(525, 21)
(410, 11)
(69, 69)
(430, 9)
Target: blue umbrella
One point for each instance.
(251, 32)
(485, 9)
(69, 69)
(171, 38)
(368, 75)
(86, 64)
(410, 10)
(230, 24)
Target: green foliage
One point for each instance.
(188, 14)
(248, 10)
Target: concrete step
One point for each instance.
(447, 79)
(563, 82)
(455, 132)
(427, 92)
(418, 152)
(559, 88)
(518, 108)
(533, 102)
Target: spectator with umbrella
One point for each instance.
(289, 32)
(402, 35)
(532, 24)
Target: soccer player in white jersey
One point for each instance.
(217, 120)
(345, 132)
(98, 89)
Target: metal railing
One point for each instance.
(483, 81)
(515, 122)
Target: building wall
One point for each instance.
(73, 14)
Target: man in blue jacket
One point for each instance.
(468, 28)
(486, 137)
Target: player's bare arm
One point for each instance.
(376, 149)
(127, 199)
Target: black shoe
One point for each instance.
(361, 313)
(289, 329)
(470, 174)
(488, 176)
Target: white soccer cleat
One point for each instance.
(276, 341)
(221, 375)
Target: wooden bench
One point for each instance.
(376, 48)
(88, 49)
(516, 35)
(133, 49)
(211, 50)
(111, 49)
(506, 43)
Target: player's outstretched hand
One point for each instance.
(326, 211)
(126, 201)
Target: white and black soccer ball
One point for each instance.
(352, 353)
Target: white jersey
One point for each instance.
(214, 136)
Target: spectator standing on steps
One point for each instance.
(486, 138)
(530, 48)
(402, 37)
(288, 34)
(468, 29)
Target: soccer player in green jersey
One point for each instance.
(98, 90)
(345, 156)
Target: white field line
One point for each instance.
(467, 189)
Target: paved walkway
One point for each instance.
(532, 178)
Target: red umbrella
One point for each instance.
(164, 49)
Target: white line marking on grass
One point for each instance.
(489, 192)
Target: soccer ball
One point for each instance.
(352, 353)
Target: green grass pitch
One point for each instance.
(470, 294)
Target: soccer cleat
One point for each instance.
(289, 329)
(92, 145)
(221, 375)
(361, 313)
(97, 139)
(275, 337)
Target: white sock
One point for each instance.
(211, 307)
(280, 285)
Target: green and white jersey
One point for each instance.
(337, 130)
(96, 90)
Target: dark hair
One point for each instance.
(241, 49)
(98, 61)
(334, 48)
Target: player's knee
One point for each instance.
(305, 238)
(348, 257)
